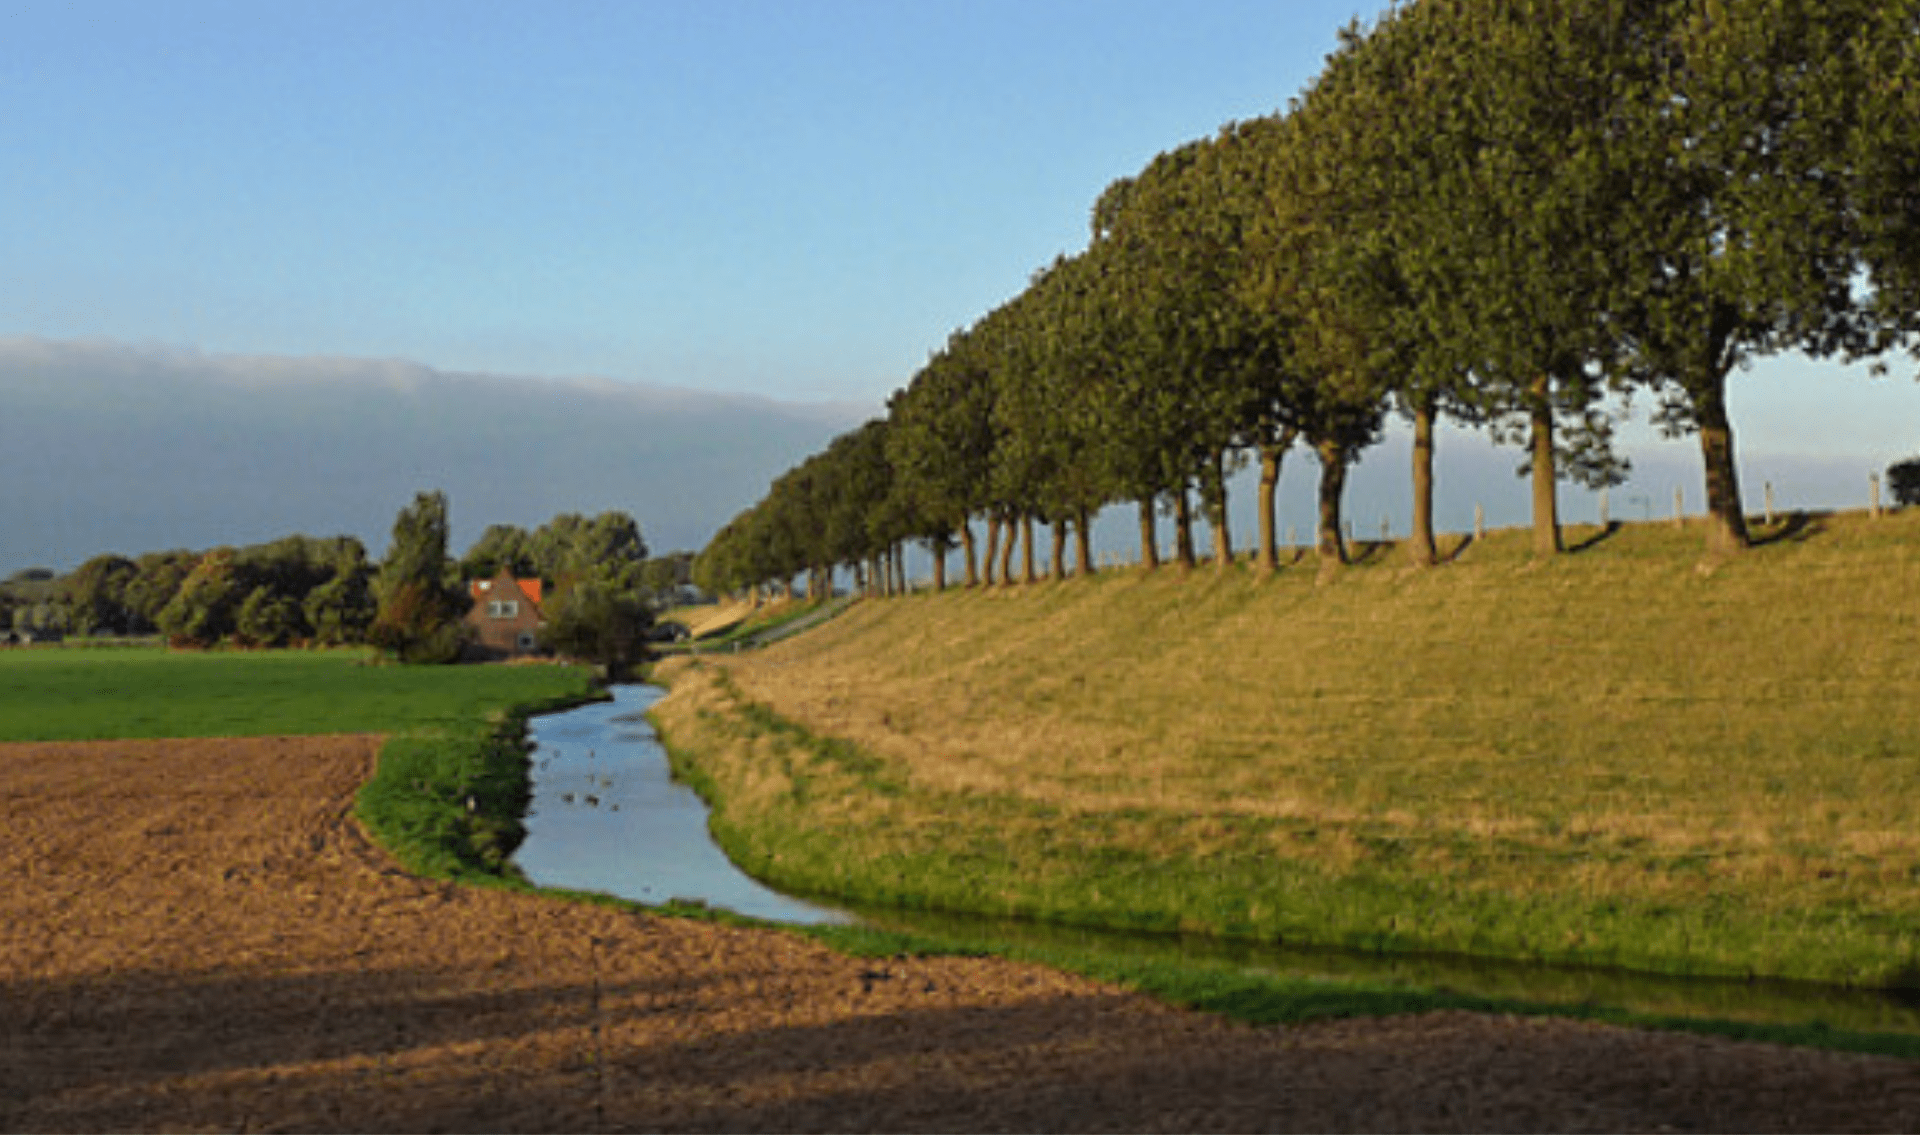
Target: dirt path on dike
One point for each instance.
(194, 936)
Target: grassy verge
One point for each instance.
(451, 788)
(1623, 757)
(1261, 998)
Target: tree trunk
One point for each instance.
(1006, 553)
(1149, 536)
(1214, 496)
(1027, 573)
(900, 568)
(1333, 482)
(1546, 504)
(1726, 514)
(1058, 566)
(968, 551)
(992, 558)
(939, 550)
(1268, 558)
(1420, 547)
(1183, 528)
(1083, 541)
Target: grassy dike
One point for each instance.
(1623, 757)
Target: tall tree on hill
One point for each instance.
(419, 605)
(1513, 219)
(1322, 270)
(1059, 413)
(1183, 231)
(1748, 209)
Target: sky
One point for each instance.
(792, 202)
(793, 199)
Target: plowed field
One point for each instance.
(193, 935)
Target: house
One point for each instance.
(505, 618)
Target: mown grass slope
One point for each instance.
(1624, 755)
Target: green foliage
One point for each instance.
(1903, 481)
(418, 619)
(95, 596)
(502, 546)
(205, 608)
(595, 620)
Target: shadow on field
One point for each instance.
(384, 1051)
(1598, 538)
(1798, 527)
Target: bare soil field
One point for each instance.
(194, 936)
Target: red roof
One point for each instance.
(479, 588)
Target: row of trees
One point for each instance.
(297, 588)
(601, 587)
(1512, 214)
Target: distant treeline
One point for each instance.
(323, 591)
(1509, 214)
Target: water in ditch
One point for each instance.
(607, 816)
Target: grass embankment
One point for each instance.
(451, 788)
(734, 625)
(1619, 757)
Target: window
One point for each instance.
(527, 641)
(503, 608)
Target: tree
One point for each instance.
(156, 580)
(593, 619)
(95, 596)
(1749, 210)
(419, 607)
(269, 618)
(940, 447)
(204, 609)
(501, 546)
(1903, 481)
(572, 546)
(1320, 270)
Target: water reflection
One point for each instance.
(607, 816)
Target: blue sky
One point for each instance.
(792, 198)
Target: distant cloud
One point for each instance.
(107, 446)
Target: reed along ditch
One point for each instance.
(607, 816)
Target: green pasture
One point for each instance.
(96, 694)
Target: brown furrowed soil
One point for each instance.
(193, 935)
